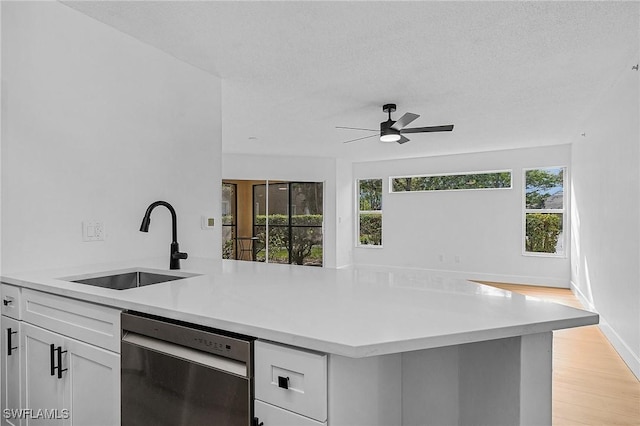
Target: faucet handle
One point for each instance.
(174, 261)
(176, 255)
(179, 255)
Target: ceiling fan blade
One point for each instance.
(428, 129)
(404, 120)
(359, 139)
(403, 140)
(356, 128)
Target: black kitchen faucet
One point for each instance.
(176, 255)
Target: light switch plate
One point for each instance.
(92, 231)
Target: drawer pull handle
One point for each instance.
(52, 353)
(9, 347)
(60, 369)
(7, 301)
(53, 350)
(283, 382)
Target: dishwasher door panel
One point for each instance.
(162, 389)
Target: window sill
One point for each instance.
(549, 255)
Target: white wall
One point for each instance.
(345, 213)
(97, 125)
(606, 232)
(305, 169)
(479, 233)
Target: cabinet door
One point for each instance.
(10, 371)
(43, 393)
(94, 384)
(270, 415)
(88, 393)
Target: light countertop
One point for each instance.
(352, 312)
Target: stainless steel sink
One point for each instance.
(128, 279)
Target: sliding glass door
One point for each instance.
(305, 218)
(287, 218)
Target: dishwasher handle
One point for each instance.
(192, 355)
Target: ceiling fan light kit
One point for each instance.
(389, 135)
(389, 138)
(391, 131)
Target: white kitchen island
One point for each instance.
(403, 347)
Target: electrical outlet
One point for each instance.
(93, 231)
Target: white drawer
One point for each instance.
(305, 373)
(270, 415)
(95, 324)
(11, 306)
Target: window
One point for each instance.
(544, 211)
(288, 217)
(452, 182)
(369, 212)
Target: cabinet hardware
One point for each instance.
(283, 382)
(56, 353)
(59, 367)
(9, 347)
(6, 301)
(52, 350)
(257, 422)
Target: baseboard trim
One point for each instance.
(626, 353)
(581, 296)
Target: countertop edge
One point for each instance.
(334, 348)
(342, 344)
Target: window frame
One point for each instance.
(234, 225)
(358, 244)
(563, 211)
(510, 171)
(289, 226)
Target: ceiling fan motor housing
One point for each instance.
(387, 134)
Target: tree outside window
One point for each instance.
(370, 212)
(544, 211)
(452, 182)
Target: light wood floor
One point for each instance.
(591, 383)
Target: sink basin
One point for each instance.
(123, 280)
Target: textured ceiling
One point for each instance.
(507, 74)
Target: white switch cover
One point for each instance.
(92, 230)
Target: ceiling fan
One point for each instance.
(392, 131)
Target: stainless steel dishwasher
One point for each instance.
(174, 373)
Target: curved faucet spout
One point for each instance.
(176, 255)
(146, 220)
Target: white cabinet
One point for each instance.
(10, 368)
(78, 382)
(11, 306)
(299, 387)
(290, 386)
(68, 368)
(41, 390)
(95, 324)
(270, 415)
